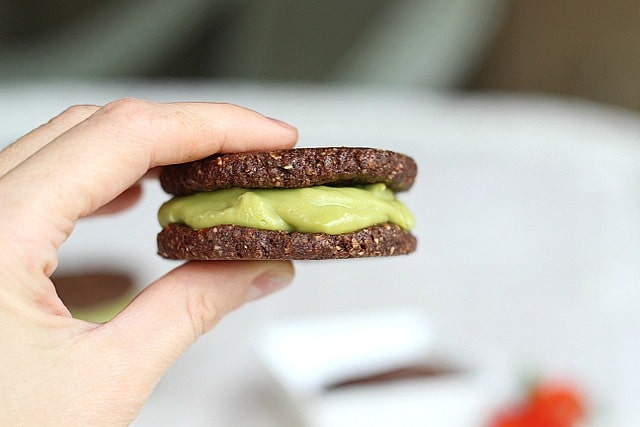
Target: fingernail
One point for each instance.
(281, 123)
(268, 283)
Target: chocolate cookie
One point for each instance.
(230, 242)
(294, 168)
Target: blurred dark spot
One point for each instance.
(90, 288)
(397, 374)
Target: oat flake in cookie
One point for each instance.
(305, 203)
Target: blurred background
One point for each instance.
(568, 47)
(521, 114)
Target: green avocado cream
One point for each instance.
(320, 209)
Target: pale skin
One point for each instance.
(57, 370)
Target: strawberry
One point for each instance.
(549, 404)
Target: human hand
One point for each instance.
(57, 370)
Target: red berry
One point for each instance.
(559, 403)
(548, 405)
(509, 418)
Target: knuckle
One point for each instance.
(201, 312)
(127, 109)
(129, 119)
(79, 111)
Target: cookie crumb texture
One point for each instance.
(292, 168)
(230, 242)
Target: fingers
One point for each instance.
(114, 367)
(99, 158)
(173, 312)
(72, 167)
(102, 156)
(24, 147)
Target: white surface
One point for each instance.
(528, 224)
(306, 358)
(315, 353)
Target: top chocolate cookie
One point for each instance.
(292, 168)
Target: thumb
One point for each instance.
(172, 313)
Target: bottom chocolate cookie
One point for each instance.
(230, 242)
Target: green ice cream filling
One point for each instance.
(319, 209)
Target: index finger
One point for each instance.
(99, 158)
